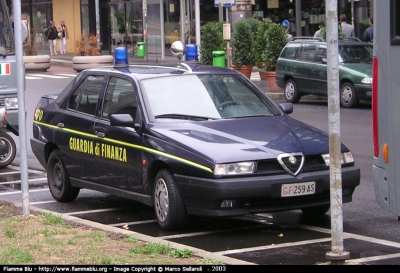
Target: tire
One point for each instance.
(314, 211)
(348, 97)
(168, 204)
(58, 179)
(291, 92)
(8, 150)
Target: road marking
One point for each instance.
(48, 76)
(133, 223)
(19, 192)
(19, 181)
(93, 211)
(43, 202)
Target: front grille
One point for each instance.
(272, 167)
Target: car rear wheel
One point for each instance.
(348, 97)
(58, 179)
(168, 203)
(318, 210)
(291, 92)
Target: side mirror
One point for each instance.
(124, 120)
(286, 107)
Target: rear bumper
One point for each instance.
(280, 80)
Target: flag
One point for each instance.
(5, 69)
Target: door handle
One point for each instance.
(60, 124)
(313, 71)
(100, 134)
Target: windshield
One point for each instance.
(6, 31)
(204, 97)
(355, 53)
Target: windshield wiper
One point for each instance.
(181, 116)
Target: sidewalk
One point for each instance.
(66, 60)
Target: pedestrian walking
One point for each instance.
(63, 36)
(369, 32)
(347, 29)
(52, 36)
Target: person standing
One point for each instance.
(369, 32)
(63, 36)
(52, 38)
(347, 29)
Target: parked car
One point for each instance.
(187, 140)
(302, 70)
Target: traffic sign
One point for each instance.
(224, 3)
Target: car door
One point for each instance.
(75, 122)
(319, 72)
(119, 149)
(302, 68)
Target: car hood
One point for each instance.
(242, 139)
(361, 69)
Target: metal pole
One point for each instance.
(337, 255)
(298, 18)
(197, 25)
(183, 15)
(21, 105)
(228, 47)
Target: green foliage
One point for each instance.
(260, 39)
(181, 253)
(254, 23)
(276, 40)
(242, 43)
(211, 40)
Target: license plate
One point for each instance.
(298, 189)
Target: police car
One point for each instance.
(187, 139)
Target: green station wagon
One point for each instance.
(302, 70)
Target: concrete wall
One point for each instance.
(68, 11)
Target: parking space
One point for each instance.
(280, 238)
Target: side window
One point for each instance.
(308, 52)
(321, 54)
(120, 98)
(86, 96)
(290, 51)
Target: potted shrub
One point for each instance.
(33, 61)
(211, 40)
(242, 44)
(259, 44)
(88, 55)
(275, 42)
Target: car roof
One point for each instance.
(144, 71)
(318, 40)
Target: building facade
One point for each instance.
(158, 22)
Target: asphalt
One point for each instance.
(66, 60)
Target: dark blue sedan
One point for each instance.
(185, 139)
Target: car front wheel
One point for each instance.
(58, 179)
(348, 97)
(168, 204)
(291, 92)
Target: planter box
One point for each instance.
(37, 62)
(80, 63)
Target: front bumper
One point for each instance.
(363, 91)
(260, 194)
(12, 118)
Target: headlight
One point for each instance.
(367, 80)
(234, 168)
(11, 103)
(345, 158)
